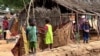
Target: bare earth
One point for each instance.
(5, 49)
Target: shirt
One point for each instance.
(5, 24)
(31, 31)
(85, 27)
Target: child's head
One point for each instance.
(47, 21)
(32, 22)
(5, 18)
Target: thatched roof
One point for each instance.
(81, 5)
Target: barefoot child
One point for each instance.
(48, 34)
(32, 37)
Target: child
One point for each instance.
(48, 34)
(5, 26)
(32, 37)
(86, 29)
(1, 32)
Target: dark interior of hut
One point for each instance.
(49, 4)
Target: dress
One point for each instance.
(49, 35)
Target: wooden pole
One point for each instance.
(78, 37)
(25, 42)
(25, 5)
(97, 27)
(33, 9)
(28, 14)
(60, 21)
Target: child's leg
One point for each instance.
(4, 35)
(87, 37)
(50, 46)
(84, 41)
(7, 40)
(31, 46)
(35, 47)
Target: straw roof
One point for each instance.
(81, 5)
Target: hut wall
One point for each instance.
(61, 26)
(14, 27)
(62, 36)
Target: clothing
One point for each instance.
(4, 33)
(5, 27)
(49, 35)
(32, 44)
(85, 33)
(1, 33)
(8, 34)
(86, 36)
(32, 30)
(5, 24)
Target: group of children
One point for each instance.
(32, 34)
(47, 31)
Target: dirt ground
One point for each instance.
(5, 49)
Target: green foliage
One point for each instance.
(16, 4)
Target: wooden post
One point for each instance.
(28, 13)
(60, 21)
(92, 21)
(97, 17)
(98, 25)
(78, 37)
(25, 5)
(33, 9)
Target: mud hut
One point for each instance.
(59, 12)
(59, 16)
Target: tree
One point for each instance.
(15, 4)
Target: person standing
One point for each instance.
(48, 34)
(32, 35)
(1, 32)
(86, 29)
(5, 26)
